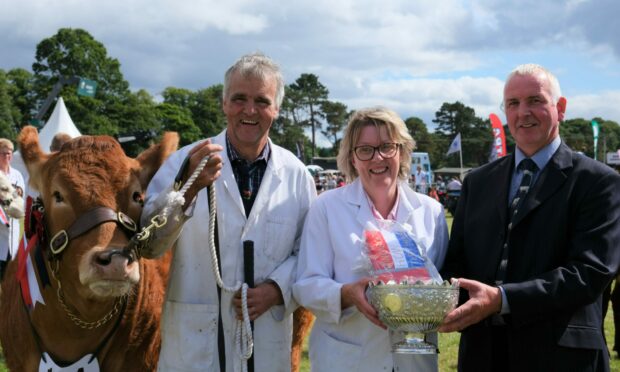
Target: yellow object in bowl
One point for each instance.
(392, 302)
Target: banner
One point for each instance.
(455, 146)
(595, 130)
(499, 138)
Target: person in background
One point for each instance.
(263, 193)
(534, 252)
(375, 157)
(10, 228)
(613, 295)
(421, 180)
(454, 184)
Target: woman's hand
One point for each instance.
(354, 294)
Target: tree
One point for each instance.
(137, 117)
(336, 116)
(476, 135)
(178, 119)
(21, 90)
(74, 52)
(308, 94)
(205, 106)
(7, 125)
(418, 130)
(578, 135)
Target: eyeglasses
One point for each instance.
(366, 152)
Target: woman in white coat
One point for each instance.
(375, 155)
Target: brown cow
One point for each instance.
(84, 311)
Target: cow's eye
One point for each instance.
(57, 197)
(138, 198)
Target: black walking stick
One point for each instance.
(248, 273)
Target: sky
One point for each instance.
(409, 55)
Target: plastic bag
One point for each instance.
(394, 256)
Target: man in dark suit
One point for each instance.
(535, 244)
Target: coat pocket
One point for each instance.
(279, 238)
(189, 337)
(331, 354)
(582, 337)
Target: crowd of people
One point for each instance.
(533, 253)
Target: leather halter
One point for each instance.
(88, 221)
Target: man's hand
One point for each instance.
(484, 301)
(354, 294)
(260, 299)
(210, 172)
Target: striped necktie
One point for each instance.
(529, 169)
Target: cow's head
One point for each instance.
(91, 172)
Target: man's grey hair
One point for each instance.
(533, 69)
(259, 66)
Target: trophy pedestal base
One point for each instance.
(414, 346)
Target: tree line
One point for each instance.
(117, 111)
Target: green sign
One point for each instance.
(35, 122)
(87, 87)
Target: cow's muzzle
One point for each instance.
(104, 258)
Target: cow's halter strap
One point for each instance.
(81, 226)
(88, 221)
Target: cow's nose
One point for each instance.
(104, 258)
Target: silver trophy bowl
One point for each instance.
(413, 310)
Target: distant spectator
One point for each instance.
(9, 232)
(59, 140)
(454, 184)
(421, 181)
(433, 193)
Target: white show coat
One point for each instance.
(189, 324)
(345, 340)
(9, 235)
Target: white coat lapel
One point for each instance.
(269, 185)
(356, 196)
(411, 215)
(409, 207)
(228, 186)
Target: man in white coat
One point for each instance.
(263, 193)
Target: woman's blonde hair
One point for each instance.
(377, 116)
(6, 144)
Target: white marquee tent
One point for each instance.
(59, 122)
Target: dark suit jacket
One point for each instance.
(564, 250)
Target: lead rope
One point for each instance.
(243, 330)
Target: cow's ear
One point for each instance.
(152, 158)
(30, 150)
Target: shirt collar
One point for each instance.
(542, 157)
(233, 155)
(391, 215)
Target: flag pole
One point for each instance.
(461, 158)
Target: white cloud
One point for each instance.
(589, 106)
(409, 55)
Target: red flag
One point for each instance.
(499, 139)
